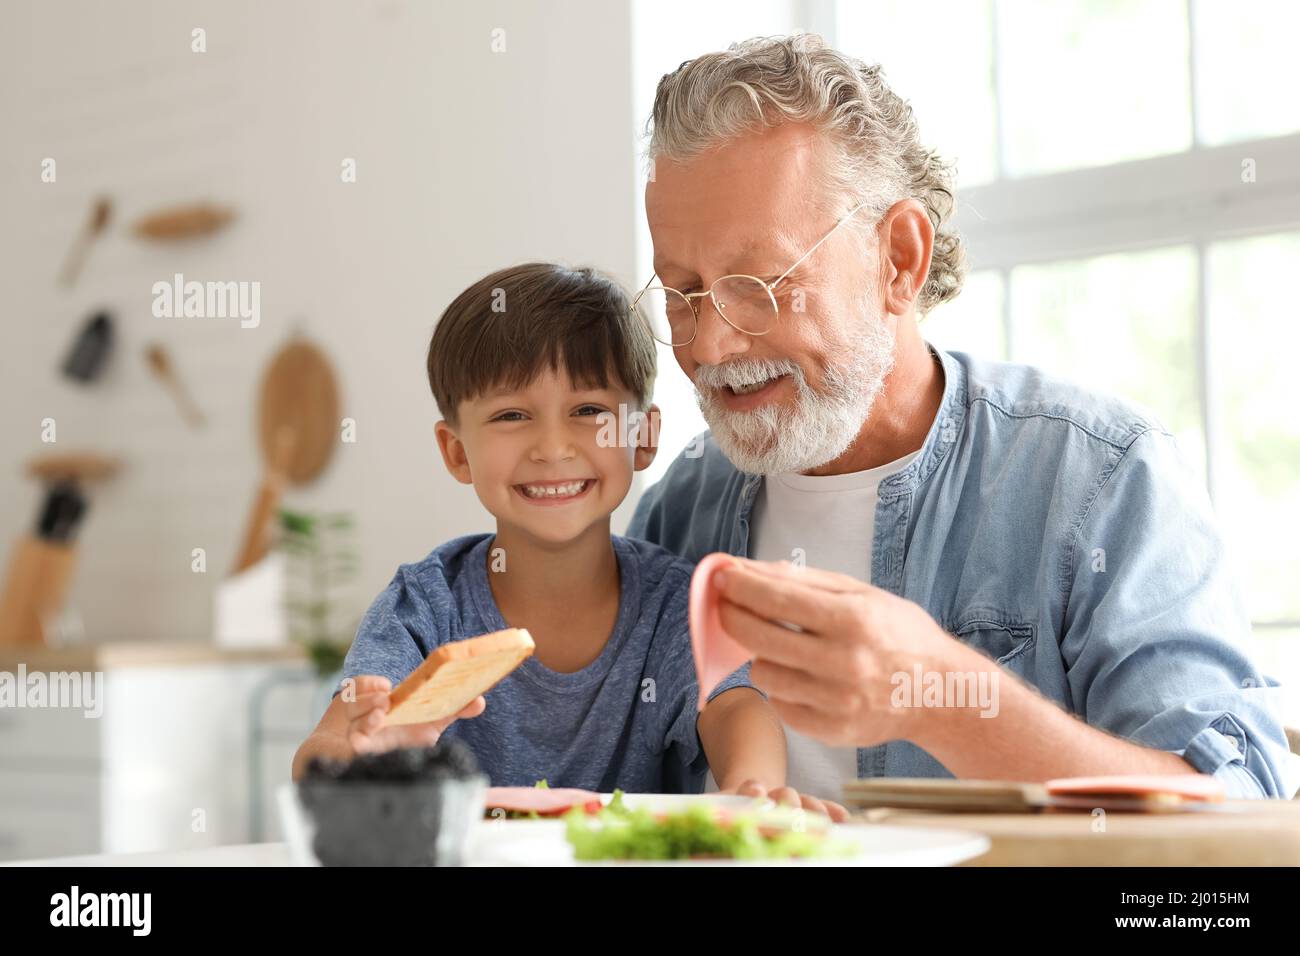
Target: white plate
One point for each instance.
(543, 842)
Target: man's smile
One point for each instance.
(745, 397)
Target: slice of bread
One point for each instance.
(453, 675)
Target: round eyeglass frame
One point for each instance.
(690, 299)
(721, 307)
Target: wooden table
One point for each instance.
(1252, 833)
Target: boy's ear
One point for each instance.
(647, 439)
(453, 453)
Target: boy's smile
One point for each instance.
(554, 492)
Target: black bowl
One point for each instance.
(392, 823)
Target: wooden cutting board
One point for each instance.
(941, 793)
(298, 429)
(1134, 793)
(300, 393)
(1242, 833)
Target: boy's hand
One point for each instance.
(793, 798)
(367, 714)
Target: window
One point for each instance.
(1132, 234)
(975, 321)
(1088, 82)
(1257, 459)
(1020, 87)
(1069, 320)
(946, 74)
(1245, 74)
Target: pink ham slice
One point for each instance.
(716, 654)
(1188, 786)
(542, 800)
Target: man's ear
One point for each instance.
(453, 453)
(647, 439)
(906, 244)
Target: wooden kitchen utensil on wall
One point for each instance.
(298, 428)
(100, 214)
(160, 363)
(184, 222)
(35, 586)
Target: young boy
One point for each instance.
(543, 377)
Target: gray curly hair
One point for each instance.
(878, 156)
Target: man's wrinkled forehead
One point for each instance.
(748, 197)
(770, 250)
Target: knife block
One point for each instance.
(38, 577)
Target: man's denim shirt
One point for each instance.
(1062, 534)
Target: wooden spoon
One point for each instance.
(161, 364)
(100, 214)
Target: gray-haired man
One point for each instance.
(967, 526)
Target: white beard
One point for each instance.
(821, 425)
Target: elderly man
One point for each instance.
(913, 526)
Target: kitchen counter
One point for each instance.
(158, 745)
(100, 657)
(248, 854)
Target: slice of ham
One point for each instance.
(1188, 786)
(716, 654)
(543, 801)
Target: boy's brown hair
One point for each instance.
(503, 329)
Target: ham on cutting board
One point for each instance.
(543, 801)
(1187, 786)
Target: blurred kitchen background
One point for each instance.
(1129, 176)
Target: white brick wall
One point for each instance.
(466, 161)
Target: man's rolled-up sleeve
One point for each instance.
(1156, 630)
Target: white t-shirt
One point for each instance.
(831, 520)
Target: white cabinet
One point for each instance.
(48, 813)
(168, 763)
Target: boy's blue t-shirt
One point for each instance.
(626, 720)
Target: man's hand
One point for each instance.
(831, 678)
(367, 712)
(792, 798)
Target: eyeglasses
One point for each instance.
(746, 303)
